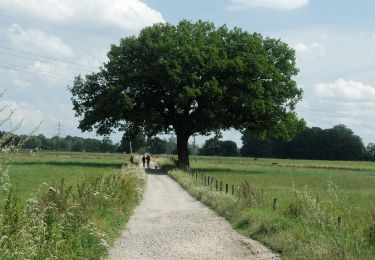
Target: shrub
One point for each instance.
(248, 195)
(370, 230)
(67, 224)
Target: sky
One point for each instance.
(45, 43)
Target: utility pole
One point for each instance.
(195, 151)
(130, 145)
(59, 129)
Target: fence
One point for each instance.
(214, 183)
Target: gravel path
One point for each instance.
(170, 224)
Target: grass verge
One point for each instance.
(67, 223)
(305, 229)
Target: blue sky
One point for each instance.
(44, 43)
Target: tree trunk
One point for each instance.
(182, 150)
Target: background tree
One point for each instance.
(191, 78)
(337, 143)
(370, 148)
(171, 145)
(138, 141)
(211, 147)
(228, 148)
(214, 146)
(156, 145)
(255, 146)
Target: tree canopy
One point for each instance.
(191, 78)
(214, 146)
(68, 143)
(337, 143)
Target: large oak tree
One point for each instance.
(191, 78)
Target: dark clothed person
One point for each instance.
(148, 159)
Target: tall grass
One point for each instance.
(68, 223)
(309, 226)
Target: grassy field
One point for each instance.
(31, 172)
(43, 219)
(324, 209)
(277, 178)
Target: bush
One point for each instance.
(370, 231)
(69, 224)
(306, 229)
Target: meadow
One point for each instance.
(324, 209)
(32, 172)
(276, 178)
(66, 205)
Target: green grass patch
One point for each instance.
(324, 210)
(77, 217)
(30, 173)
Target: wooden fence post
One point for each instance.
(274, 203)
(232, 189)
(338, 221)
(226, 188)
(216, 185)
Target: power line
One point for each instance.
(59, 129)
(371, 120)
(37, 72)
(47, 57)
(57, 63)
(320, 120)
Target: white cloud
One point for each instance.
(52, 71)
(129, 15)
(282, 5)
(309, 52)
(21, 84)
(348, 91)
(307, 48)
(37, 40)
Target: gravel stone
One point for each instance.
(171, 224)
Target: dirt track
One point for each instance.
(170, 224)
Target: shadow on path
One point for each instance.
(154, 171)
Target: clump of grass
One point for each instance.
(313, 226)
(370, 230)
(249, 195)
(135, 159)
(66, 223)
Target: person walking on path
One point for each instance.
(143, 160)
(148, 159)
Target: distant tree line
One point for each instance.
(139, 143)
(214, 146)
(154, 145)
(337, 143)
(68, 143)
